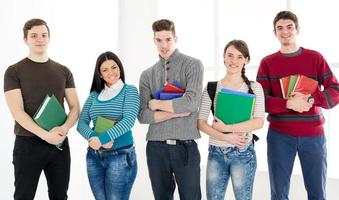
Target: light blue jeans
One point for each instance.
(111, 173)
(226, 162)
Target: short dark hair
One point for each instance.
(286, 15)
(98, 83)
(163, 25)
(34, 22)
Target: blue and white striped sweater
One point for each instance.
(123, 108)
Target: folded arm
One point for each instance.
(236, 139)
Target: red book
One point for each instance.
(284, 82)
(170, 88)
(305, 85)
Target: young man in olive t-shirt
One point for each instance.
(26, 84)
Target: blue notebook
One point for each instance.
(168, 96)
(228, 91)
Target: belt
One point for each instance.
(102, 149)
(176, 142)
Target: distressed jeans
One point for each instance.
(111, 173)
(230, 162)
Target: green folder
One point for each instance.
(233, 106)
(50, 114)
(102, 124)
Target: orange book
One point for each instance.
(284, 82)
(305, 85)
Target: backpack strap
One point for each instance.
(211, 88)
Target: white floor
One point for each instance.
(260, 191)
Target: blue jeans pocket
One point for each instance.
(246, 153)
(131, 159)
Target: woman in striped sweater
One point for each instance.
(111, 158)
(231, 155)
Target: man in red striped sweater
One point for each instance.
(296, 123)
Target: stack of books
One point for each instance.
(234, 106)
(169, 91)
(297, 83)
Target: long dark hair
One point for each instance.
(99, 83)
(241, 46)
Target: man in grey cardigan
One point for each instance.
(172, 154)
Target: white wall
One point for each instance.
(78, 36)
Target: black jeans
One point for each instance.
(31, 156)
(170, 164)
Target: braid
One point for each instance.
(242, 47)
(248, 82)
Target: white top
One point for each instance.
(258, 111)
(110, 92)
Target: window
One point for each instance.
(194, 28)
(204, 27)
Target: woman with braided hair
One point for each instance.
(231, 155)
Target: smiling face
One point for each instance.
(110, 72)
(234, 60)
(37, 39)
(165, 42)
(286, 32)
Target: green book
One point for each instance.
(102, 124)
(291, 85)
(50, 114)
(233, 106)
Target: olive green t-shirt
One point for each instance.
(36, 80)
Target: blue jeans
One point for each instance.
(281, 152)
(170, 164)
(226, 162)
(111, 173)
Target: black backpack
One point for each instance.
(211, 89)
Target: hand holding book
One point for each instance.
(220, 126)
(94, 143)
(102, 124)
(297, 83)
(299, 102)
(54, 137)
(49, 116)
(237, 139)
